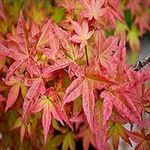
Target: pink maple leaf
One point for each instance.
(112, 3)
(68, 59)
(84, 85)
(93, 9)
(21, 50)
(16, 84)
(140, 21)
(111, 15)
(50, 109)
(105, 49)
(83, 33)
(37, 88)
(99, 130)
(134, 6)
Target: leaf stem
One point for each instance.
(86, 54)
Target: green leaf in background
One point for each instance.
(133, 39)
(54, 142)
(117, 131)
(17, 123)
(13, 7)
(58, 14)
(7, 140)
(109, 32)
(128, 18)
(3, 26)
(57, 140)
(68, 142)
(12, 116)
(120, 27)
(38, 15)
(133, 57)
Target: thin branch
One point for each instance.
(86, 54)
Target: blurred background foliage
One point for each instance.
(36, 10)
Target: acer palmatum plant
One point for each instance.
(72, 82)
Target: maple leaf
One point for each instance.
(34, 29)
(83, 33)
(59, 64)
(93, 9)
(142, 140)
(133, 38)
(113, 3)
(116, 131)
(49, 110)
(119, 102)
(111, 15)
(71, 51)
(134, 6)
(120, 75)
(37, 88)
(140, 93)
(68, 141)
(84, 85)
(118, 61)
(50, 106)
(21, 50)
(12, 96)
(140, 21)
(50, 40)
(16, 85)
(76, 89)
(70, 55)
(99, 130)
(105, 49)
(63, 58)
(78, 118)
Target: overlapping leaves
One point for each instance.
(51, 68)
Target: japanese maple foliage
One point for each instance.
(72, 82)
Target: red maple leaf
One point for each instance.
(142, 140)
